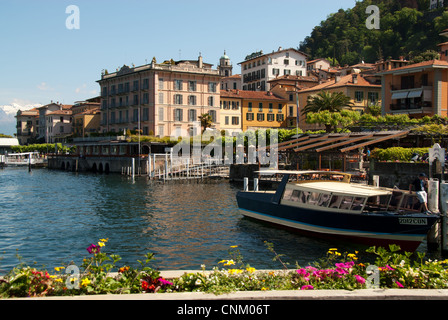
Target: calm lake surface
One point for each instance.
(49, 218)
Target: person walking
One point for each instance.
(419, 184)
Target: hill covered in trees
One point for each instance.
(407, 28)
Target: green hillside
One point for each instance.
(407, 28)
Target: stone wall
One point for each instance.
(399, 174)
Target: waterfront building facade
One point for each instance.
(47, 125)
(362, 93)
(258, 68)
(160, 99)
(259, 109)
(58, 125)
(419, 89)
(230, 114)
(27, 125)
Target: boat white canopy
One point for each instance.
(342, 188)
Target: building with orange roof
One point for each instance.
(259, 109)
(419, 89)
(27, 125)
(58, 125)
(258, 68)
(362, 93)
(86, 118)
(45, 126)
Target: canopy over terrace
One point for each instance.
(346, 148)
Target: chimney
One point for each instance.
(337, 78)
(355, 78)
(200, 63)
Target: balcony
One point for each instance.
(420, 107)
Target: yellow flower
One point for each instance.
(264, 289)
(229, 263)
(101, 244)
(251, 270)
(352, 256)
(85, 282)
(104, 240)
(59, 268)
(233, 246)
(58, 280)
(232, 271)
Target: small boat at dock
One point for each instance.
(328, 205)
(32, 159)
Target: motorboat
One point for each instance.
(328, 205)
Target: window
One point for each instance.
(270, 117)
(358, 204)
(226, 120)
(314, 197)
(145, 84)
(275, 72)
(160, 114)
(286, 62)
(235, 121)
(335, 201)
(192, 85)
(145, 98)
(135, 99)
(178, 85)
(135, 85)
(145, 116)
(212, 87)
(178, 115)
(280, 117)
(260, 106)
(324, 200)
(161, 131)
(287, 72)
(346, 203)
(212, 113)
(359, 96)
(260, 116)
(280, 107)
(161, 97)
(192, 100)
(372, 97)
(192, 115)
(178, 99)
(249, 116)
(211, 101)
(250, 107)
(136, 114)
(161, 85)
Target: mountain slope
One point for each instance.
(407, 28)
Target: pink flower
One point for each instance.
(307, 287)
(360, 279)
(164, 282)
(399, 284)
(93, 249)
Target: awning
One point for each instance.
(415, 94)
(400, 95)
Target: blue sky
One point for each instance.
(41, 60)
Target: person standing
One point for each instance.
(419, 184)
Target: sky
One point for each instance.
(42, 60)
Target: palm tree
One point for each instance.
(206, 121)
(327, 101)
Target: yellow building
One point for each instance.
(362, 93)
(259, 109)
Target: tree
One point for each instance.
(327, 101)
(333, 120)
(206, 121)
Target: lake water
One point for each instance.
(49, 218)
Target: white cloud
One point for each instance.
(44, 87)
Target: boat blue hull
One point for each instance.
(379, 229)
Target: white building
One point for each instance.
(259, 68)
(434, 4)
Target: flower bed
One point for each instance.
(100, 274)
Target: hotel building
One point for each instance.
(160, 99)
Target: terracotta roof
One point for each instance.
(235, 76)
(60, 112)
(429, 63)
(343, 82)
(295, 78)
(315, 60)
(250, 95)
